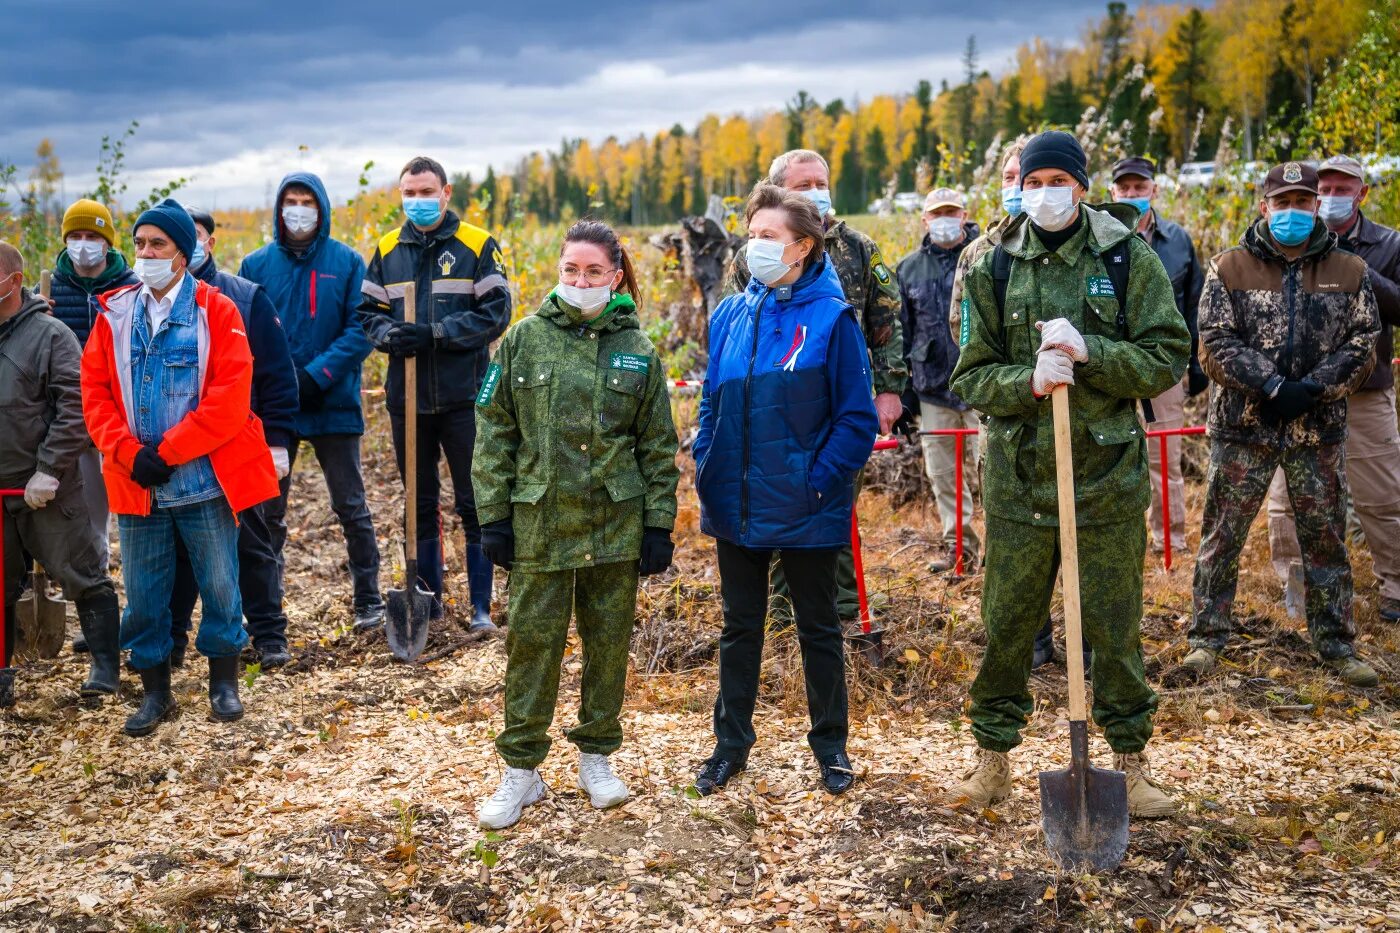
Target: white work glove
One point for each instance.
(1061, 335)
(280, 461)
(1052, 368)
(40, 490)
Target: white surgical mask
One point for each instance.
(945, 230)
(585, 299)
(299, 219)
(86, 253)
(155, 274)
(1049, 208)
(1334, 208)
(765, 259)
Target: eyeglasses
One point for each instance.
(593, 275)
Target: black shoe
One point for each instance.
(369, 617)
(7, 687)
(224, 705)
(1044, 651)
(837, 773)
(157, 705)
(716, 772)
(273, 656)
(100, 619)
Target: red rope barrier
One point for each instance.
(861, 598)
(957, 434)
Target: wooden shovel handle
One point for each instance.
(45, 283)
(410, 438)
(1069, 551)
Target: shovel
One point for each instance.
(408, 609)
(41, 618)
(1083, 809)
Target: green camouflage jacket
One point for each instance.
(975, 250)
(871, 289)
(574, 438)
(998, 356)
(1264, 319)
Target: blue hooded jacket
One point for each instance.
(787, 416)
(317, 295)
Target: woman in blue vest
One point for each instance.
(786, 420)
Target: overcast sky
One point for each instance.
(227, 93)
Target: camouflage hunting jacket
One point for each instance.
(975, 250)
(1265, 319)
(870, 288)
(1141, 357)
(574, 439)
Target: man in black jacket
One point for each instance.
(464, 303)
(274, 401)
(925, 279)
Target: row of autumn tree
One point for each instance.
(1181, 83)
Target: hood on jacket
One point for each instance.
(323, 202)
(817, 281)
(1260, 242)
(1108, 224)
(29, 303)
(620, 314)
(116, 268)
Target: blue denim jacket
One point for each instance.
(166, 379)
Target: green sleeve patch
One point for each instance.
(964, 327)
(882, 271)
(630, 362)
(488, 385)
(1100, 286)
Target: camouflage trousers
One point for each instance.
(1021, 564)
(604, 601)
(1236, 486)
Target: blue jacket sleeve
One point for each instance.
(274, 376)
(343, 355)
(854, 424)
(705, 434)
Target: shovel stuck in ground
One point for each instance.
(408, 610)
(1083, 809)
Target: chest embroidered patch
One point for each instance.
(629, 362)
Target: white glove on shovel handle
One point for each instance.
(1060, 334)
(1052, 368)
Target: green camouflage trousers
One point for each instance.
(847, 599)
(1236, 486)
(604, 600)
(1021, 564)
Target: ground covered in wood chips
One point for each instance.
(346, 798)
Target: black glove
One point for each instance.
(1196, 379)
(498, 543)
(657, 551)
(149, 470)
(405, 339)
(310, 395)
(1292, 399)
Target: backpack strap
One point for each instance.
(1001, 274)
(1118, 263)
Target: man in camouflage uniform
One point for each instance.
(575, 474)
(1111, 354)
(871, 289)
(984, 244)
(1288, 326)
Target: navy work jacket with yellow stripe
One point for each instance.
(462, 293)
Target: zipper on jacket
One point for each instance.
(748, 401)
(313, 294)
(1288, 343)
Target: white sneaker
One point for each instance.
(596, 777)
(518, 790)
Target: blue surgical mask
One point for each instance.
(199, 256)
(765, 259)
(1334, 209)
(1290, 226)
(1143, 205)
(821, 197)
(1011, 199)
(423, 211)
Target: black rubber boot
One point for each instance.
(1043, 651)
(157, 705)
(100, 618)
(224, 705)
(7, 687)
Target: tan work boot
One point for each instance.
(1354, 671)
(1145, 799)
(987, 782)
(1200, 661)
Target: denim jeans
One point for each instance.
(259, 583)
(339, 456)
(210, 534)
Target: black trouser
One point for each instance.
(449, 434)
(259, 584)
(743, 581)
(339, 457)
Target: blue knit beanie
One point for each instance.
(1055, 149)
(171, 217)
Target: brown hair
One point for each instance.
(420, 164)
(600, 234)
(801, 214)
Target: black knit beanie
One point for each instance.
(1055, 149)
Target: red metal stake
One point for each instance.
(958, 524)
(860, 574)
(1166, 506)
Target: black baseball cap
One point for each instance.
(1135, 165)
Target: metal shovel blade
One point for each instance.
(407, 612)
(1084, 810)
(42, 621)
